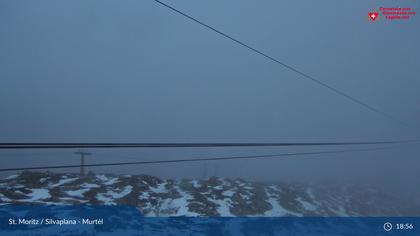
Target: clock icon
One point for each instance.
(387, 226)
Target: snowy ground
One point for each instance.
(201, 197)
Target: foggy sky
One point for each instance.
(133, 71)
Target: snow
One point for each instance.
(144, 196)
(223, 207)
(77, 193)
(71, 200)
(195, 184)
(182, 204)
(111, 181)
(218, 187)
(127, 190)
(245, 197)
(175, 207)
(228, 193)
(38, 194)
(275, 188)
(109, 197)
(103, 178)
(161, 188)
(169, 198)
(225, 183)
(4, 198)
(105, 199)
(340, 211)
(63, 181)
(87, 185)
(310, 193)
(307, 205)
(12, 177)
(276, 208)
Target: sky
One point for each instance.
(134, 71)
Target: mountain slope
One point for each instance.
(201, 197)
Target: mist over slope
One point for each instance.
(202, 197)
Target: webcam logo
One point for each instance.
(373, 15)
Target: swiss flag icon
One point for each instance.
(373, 15)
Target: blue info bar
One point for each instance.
(127, 220)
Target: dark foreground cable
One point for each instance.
(187, 145)
(335, 90)
(197, 159)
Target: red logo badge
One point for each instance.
(373, 15)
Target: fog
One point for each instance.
(133, 71)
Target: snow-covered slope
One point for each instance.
(201, 197)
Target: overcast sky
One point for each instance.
(133, 71)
